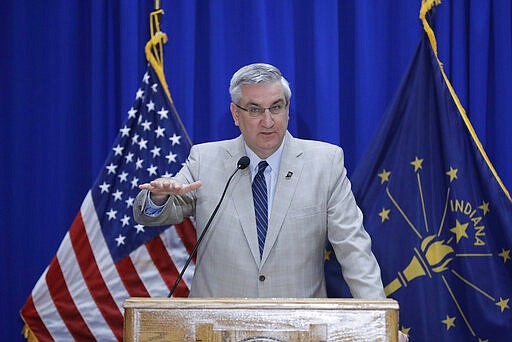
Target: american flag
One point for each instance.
(106, 256)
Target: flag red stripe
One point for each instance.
(187, 234)
(93, 278)
(34, 322)
(165, 266)
(65, 304)
(131, 279)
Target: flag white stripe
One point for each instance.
(48, 312)
(101, 252)
(80, 293)
(178, 253)
(148, 273)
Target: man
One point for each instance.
(268, 241)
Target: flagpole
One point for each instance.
(155, 56)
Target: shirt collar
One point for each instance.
(273, 161)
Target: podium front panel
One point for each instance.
(206, 319)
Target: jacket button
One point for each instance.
(262, 278)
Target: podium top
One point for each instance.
(262, 303)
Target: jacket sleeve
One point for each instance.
(177, 207)
(351, 242)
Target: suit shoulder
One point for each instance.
(318, 153)
(315, 146)
(208, 147)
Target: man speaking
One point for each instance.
(267, 237)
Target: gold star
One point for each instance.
(505, 254)
(449, 321)
(485, 207)
(503, 304)
(384, 176)
(417, 164)
(460, 230)
(327, 255)
(405, 330)
(452, 173)
(384, 214)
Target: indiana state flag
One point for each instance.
(439, 216)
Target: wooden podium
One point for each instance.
(221, 319)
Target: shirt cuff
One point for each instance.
(151, 209)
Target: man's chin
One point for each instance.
(268, 141)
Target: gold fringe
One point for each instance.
(155, 56)
(427, 5)
(28, 334)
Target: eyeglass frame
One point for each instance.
(261, 110)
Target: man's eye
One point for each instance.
(254, 110)
(276, 107)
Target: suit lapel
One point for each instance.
(289, 174)
(241, 196)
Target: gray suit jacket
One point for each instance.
(313, 205)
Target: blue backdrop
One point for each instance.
(70, 70)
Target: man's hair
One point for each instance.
(258, 73)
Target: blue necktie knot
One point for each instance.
(262, 165)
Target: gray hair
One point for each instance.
(257, 73)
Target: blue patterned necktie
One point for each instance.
(259, 194)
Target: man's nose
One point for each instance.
(267, 118)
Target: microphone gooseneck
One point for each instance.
(242, 164)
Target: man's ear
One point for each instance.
(234, 113)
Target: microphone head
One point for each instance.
(243, 162)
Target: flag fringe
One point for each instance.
(427, 5)
(28, 334)
(158, 39)
(155, 56)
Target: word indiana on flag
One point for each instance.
(106, 256)
(439, 216)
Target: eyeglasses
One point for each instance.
(257, 112)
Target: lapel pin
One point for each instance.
(289, 175)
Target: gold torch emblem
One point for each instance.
(435, 256)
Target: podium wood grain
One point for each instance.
(207, 319)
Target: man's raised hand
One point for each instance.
(161, 188)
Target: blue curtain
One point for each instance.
(69, 72)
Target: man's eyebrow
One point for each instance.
(258, 105)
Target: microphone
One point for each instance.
(242, 164)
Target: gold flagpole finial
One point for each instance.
(157, 5)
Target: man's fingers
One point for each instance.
(145, 186)
(189, 187)
(169, 187)
(160, 186)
